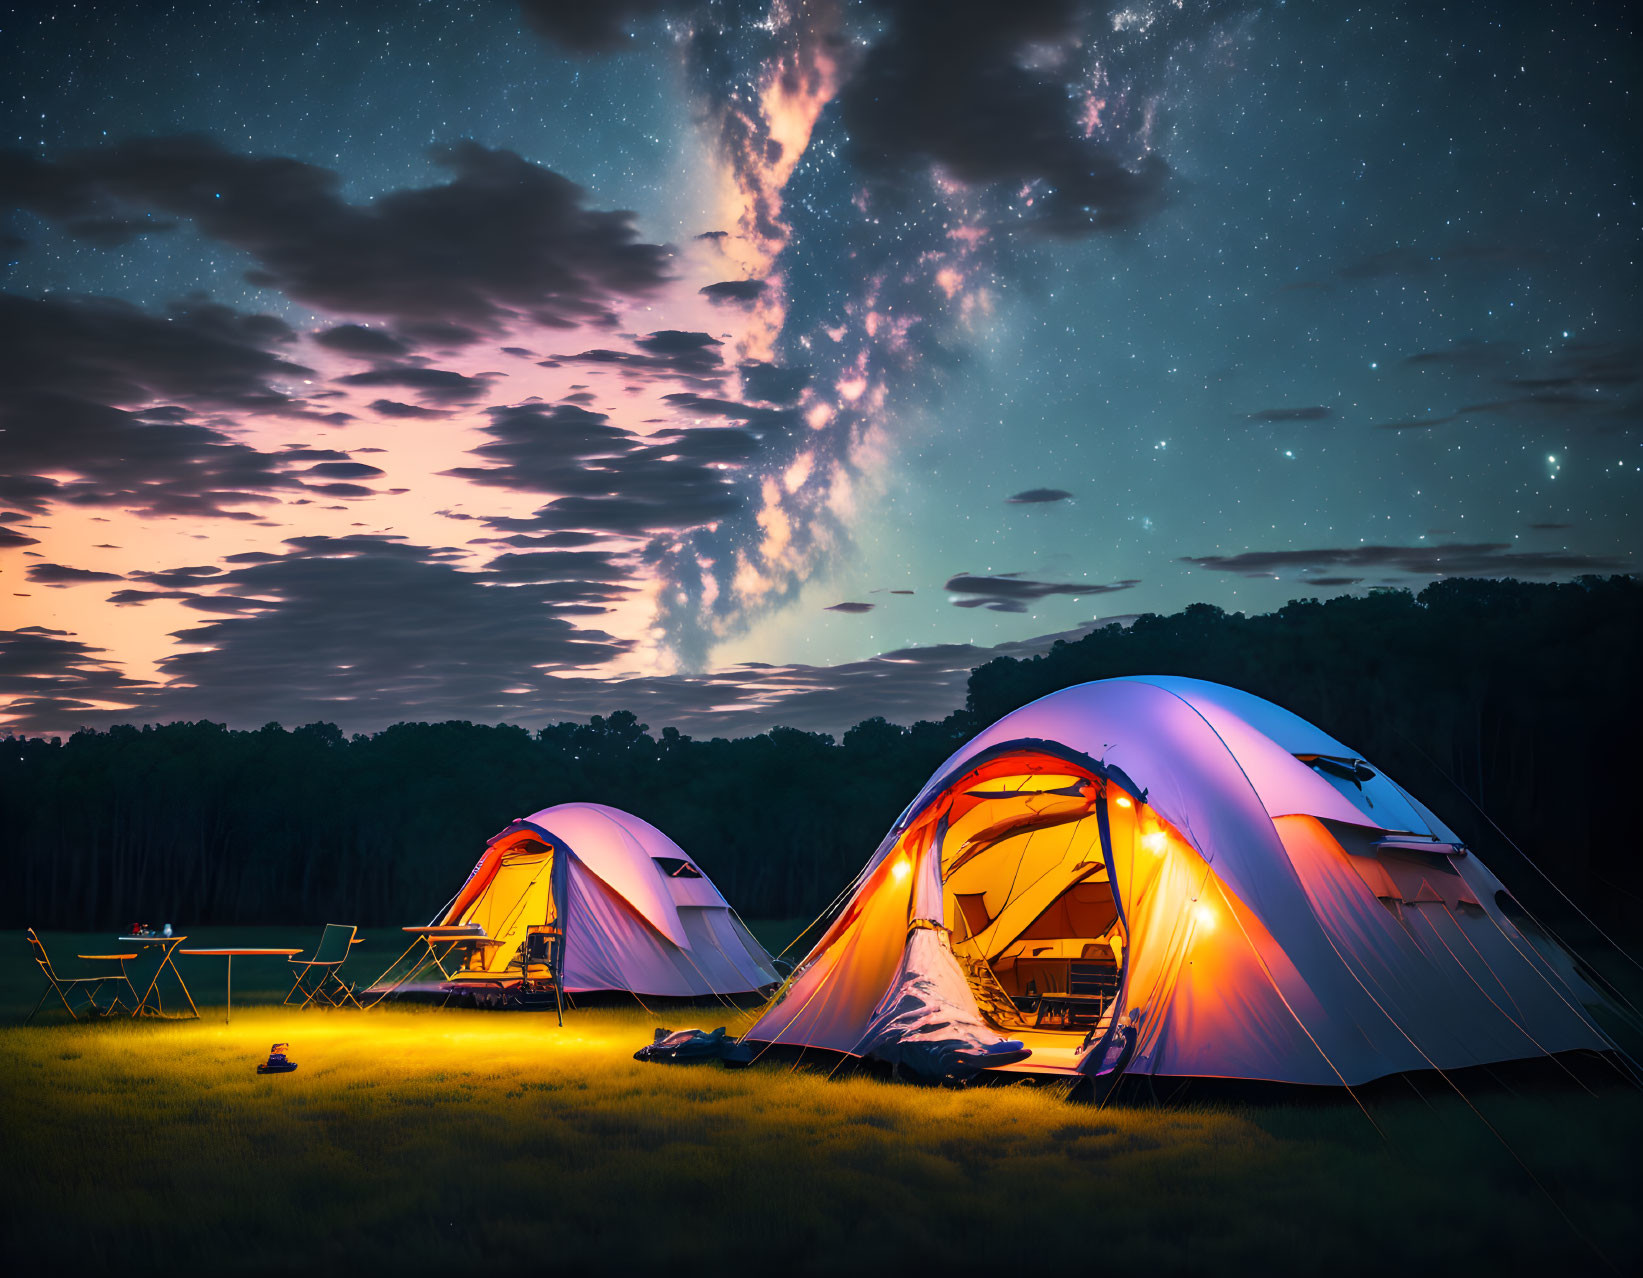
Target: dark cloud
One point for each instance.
(122, 400)
(595, 26)
(190, 599)
(1597, 365)
(1469, 354)
(48, 679)
(344, 470)
(439, 384)
(734, 292)
(607, 479)
(1565, 407)
(656, 499)
(561, 565)
(1427, 423)
(111, 351)
(185, 576)
(1330, 581)
(504, 239)
(1590, 384)
(573, 580)
(1550, 527)
(954, 86)
(539, 540)
(670, 352)
(1476, 559)
(30, 491)
(366, 343)
(341, 490)
(74, 200)
(850, 606)
(690, 349)
(1011, 592)
(663, 501)
(772, 383)
(311, 641)
(395, 408)
(59, 575)
(537, 447)
(10, 539)
(1037, 496)
(706, 444)
(1311, 413)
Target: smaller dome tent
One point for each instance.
(1164, 876)
(636, 914)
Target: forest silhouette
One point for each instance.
(1512, 709)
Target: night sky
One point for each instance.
(742, 364)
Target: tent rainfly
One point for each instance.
(1164, 876)
(635, 912)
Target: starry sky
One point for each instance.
(744, 363)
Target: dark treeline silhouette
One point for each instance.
(1523, 699)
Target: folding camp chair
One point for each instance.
(63, 986)
(1092, 979)
(541, 966)
(319, 978)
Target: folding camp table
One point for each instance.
(123, 978)
(1069, 1008)
(230, 954)
(430, 939)
(168, 946)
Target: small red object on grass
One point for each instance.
(276, 1063)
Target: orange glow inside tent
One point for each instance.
(1027, 901)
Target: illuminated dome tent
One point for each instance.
(636, 913)
(1165, 876)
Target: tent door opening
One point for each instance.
(520, 897)
(1036, 925)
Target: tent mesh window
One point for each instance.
(677, 867)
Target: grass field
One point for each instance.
(422, 1140)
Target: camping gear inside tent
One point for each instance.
(626, 908)
(1165, 876)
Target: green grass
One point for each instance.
(445, 1141)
